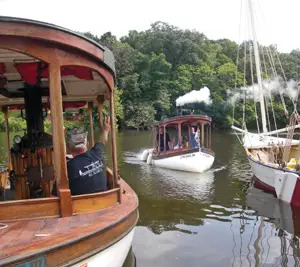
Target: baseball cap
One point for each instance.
(77, 137)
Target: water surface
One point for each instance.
(211, 219)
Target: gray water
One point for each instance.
(212, 219)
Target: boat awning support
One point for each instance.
(59, 146)
(113, 143)
(5, 111)
(90, 107)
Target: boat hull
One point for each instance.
(191, 162)
(113, 256)
(284, 184)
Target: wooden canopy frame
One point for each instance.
(59, 47)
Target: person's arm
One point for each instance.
(105, 130)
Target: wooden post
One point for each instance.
(207, 136)
(90, 107)
(100, 100)
(59, 146)
(113, 139)
(202, 134)
(179, 136)
(165, 139)
(5, 110)
(158, 139)
(189, 137)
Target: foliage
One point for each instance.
(156, 66)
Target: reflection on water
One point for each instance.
(206, 219)
(211, 219)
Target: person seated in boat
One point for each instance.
(162, 143)
(192, 140)
(87, 169)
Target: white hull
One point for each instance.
(285, 184)
(191, 162)
(113, 256)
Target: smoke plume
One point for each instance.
(271, 87)
(203, 95)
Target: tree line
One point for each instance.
(156, 66)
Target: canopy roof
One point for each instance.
(188, 119)
(80, 81)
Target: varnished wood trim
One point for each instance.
(52, 35)
(93, 202)
(70, 252)
(59, 146)
(48, 52)
(78, 251)
(29, 209)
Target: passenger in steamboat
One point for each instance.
(193, 141)
(87, 169)
(162, 143)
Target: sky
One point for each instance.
(278, 20)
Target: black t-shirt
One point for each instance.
(87, 172)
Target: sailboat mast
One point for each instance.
(258, 71)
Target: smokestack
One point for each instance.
(34, 110)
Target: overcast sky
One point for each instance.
(215, 18)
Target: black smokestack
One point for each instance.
(33, 109)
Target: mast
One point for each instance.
(258, 72)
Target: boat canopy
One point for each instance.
(187, 119)
(44, 68)
(28, 47)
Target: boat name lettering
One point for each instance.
(187, 156)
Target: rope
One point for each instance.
(270, 96)
(252, 78)
(244, 101)
(237, 62)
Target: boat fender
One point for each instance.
(149, 159)
(145, 154)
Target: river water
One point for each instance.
(212, 219)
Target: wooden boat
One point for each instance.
(274, 160)
(44, 67)
(182, 155)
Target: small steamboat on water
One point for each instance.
(182, 143)
(43, 70)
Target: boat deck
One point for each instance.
(61, 240)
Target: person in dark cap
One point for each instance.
(86, 169)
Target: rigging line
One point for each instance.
(277, 76)
(269, 92)
(266, 103)
(283, 73)
(252, 78)
(244, 102)
(237, 60)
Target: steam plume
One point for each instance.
(203, 95)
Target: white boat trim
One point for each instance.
(113, 256)
(195, 161)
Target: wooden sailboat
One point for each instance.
(47, 68)
(274, 160)
(182, 155)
